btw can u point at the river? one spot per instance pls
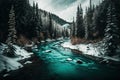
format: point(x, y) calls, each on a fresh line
point(61, 64)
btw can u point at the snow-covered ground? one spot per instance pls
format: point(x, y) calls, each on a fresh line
point(7, 63)
point(85, 48)
point(90, 49)
point(22, 53)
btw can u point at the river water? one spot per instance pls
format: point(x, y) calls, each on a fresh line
point(61, 64)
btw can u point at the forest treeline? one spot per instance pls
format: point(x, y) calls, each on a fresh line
point(100, 22)
point(30, 22)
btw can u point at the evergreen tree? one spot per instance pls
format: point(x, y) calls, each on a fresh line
point(63, 33)
point(79, 23)
point(73, 29)
point(112, 37)
point(89, 20)
point(50, 27)
point(95, 29)
point(66, 33)
point(55, 33)
point(38, 20)
point(86, 25)
point(12, 37)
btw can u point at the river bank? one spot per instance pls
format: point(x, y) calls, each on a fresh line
point(60, 64)
point(100, 60)
point(24, 72)
point(92, 51)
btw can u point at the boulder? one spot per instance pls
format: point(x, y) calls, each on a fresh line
point(79, 62)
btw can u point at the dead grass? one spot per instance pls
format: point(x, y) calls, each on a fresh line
point(75, 40)
point(22, 40)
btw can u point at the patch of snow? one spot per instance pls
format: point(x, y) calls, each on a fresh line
point(28, 62)
point(50, 40)
point(35, 47)
point(5, 75)
point(66, 25)
point(22, 53)
point(112, 58)
point(8, 64)
point(29, 45)
point(61, 38)
point(2, 47)
point(90, 49)
point(42, 41)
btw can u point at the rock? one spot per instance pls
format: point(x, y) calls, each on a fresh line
point(69, 59)
point(79, 62)
point(48, 51)
point(104, 61)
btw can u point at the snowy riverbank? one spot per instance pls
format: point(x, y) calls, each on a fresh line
point(90, 49)
point(8, 64)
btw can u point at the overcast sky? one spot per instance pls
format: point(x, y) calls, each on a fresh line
point(65, 9)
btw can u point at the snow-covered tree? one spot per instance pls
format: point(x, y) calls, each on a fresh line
point(12, 37)
point(86, 25)
point(112, 37)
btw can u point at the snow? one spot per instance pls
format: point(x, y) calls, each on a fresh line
point(90, 49)
point(9, 64)
point(12, 63)
point(29, 45)
point(23, 54)
point(42, 41)
point(2, 48)
point(28, 62)
point(5, 75)
point(61, 38)
point(112, 58)
point(66, 26)
point(50, 40)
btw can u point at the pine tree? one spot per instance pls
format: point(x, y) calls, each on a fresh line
point(66, 33)
point(86, 25)
point(38, 20)
point(89, 20)
point(73, 29)
point(12, 37)
point(112, 37)
point(55, 33)
point(95, 28)
point(63, 33)
point(79, 22)
point(50, 26)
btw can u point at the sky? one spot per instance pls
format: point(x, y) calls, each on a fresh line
point(65, 9)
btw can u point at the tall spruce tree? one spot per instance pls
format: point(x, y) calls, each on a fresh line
point(12, 37)
point(37, 20)
point(79, 22)
point(73, 29)
point(50, 27)
point(86, 25)
point(112, 37)
point(89, 20)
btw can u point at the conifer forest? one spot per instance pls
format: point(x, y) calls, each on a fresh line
point(59, 39)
